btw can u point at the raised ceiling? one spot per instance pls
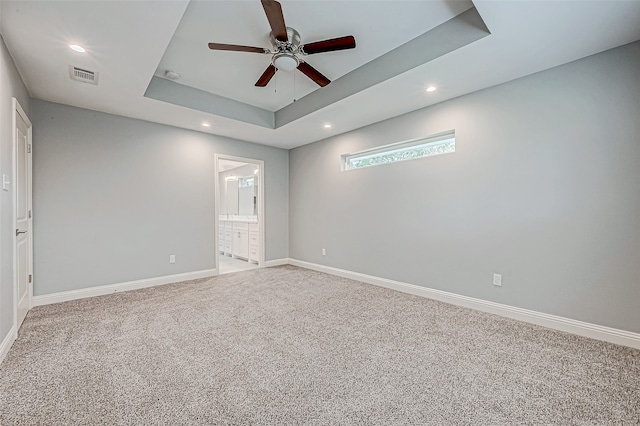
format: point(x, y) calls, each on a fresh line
point(233, 74)
point(132, 43)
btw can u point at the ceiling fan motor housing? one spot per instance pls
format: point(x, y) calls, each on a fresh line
point(292, 44)
point(285, 59)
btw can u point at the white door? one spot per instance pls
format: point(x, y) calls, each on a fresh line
point(23, 268)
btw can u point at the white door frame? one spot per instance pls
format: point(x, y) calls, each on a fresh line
point(17, 110)
point(261, 221)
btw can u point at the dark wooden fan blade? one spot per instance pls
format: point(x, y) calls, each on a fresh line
point(266, 76)
point(237, 48)
point(274, 14)
point(313, 74)
point(340, 43)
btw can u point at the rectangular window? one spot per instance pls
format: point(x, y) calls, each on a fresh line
point(246, 182)
point(442, 143)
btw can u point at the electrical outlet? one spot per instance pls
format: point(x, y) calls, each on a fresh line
point(324, 252)
point(497, 280)
point(172, 258)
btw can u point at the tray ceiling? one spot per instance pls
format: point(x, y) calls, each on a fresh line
point(131, 43)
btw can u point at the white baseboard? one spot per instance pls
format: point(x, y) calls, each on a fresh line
point(64, 296)
point(594, 331)
point(276, 262)
point(7, 342)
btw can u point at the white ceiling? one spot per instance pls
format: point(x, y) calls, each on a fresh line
point(233, 74)
point(129, 41)
point(224, 165)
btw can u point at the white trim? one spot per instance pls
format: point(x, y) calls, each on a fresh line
point(7, 343)
point(594, 331)
point(276, 262)
point(261, 218)
point(65, 296)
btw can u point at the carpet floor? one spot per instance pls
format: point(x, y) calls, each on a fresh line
point(288, 345)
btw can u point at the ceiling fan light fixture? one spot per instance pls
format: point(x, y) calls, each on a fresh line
point(285, 61)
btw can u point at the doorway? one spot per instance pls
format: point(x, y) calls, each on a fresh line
point(239, 219)
point(23, 241)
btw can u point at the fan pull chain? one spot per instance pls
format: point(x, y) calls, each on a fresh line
point(275, 87)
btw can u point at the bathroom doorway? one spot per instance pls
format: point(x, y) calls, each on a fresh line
point(239, 213)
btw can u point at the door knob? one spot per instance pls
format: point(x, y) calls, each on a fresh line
point(18, 232)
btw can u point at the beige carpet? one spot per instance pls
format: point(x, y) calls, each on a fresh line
point(291, 346)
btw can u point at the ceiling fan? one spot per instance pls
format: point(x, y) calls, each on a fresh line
point(287, 47)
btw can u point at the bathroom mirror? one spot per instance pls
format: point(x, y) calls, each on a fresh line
point(239, 190)
point(246, 196)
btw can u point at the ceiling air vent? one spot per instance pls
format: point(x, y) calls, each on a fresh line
point(82, 75)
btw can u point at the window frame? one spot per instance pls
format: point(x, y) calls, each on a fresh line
point(431, 140)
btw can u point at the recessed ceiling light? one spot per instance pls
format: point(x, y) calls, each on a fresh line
point(206, 125)
point(327, 126)
point(431, 89)
point(77, 48)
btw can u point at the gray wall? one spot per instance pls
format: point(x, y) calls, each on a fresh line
point(11, 85)
point(544, 188)
point(114, 197)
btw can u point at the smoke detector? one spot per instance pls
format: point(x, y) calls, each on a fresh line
point(83, 75)
point(171, 75)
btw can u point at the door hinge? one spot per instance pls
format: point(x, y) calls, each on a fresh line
point(29, 214)
point(30, 277)
point(28, 148)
